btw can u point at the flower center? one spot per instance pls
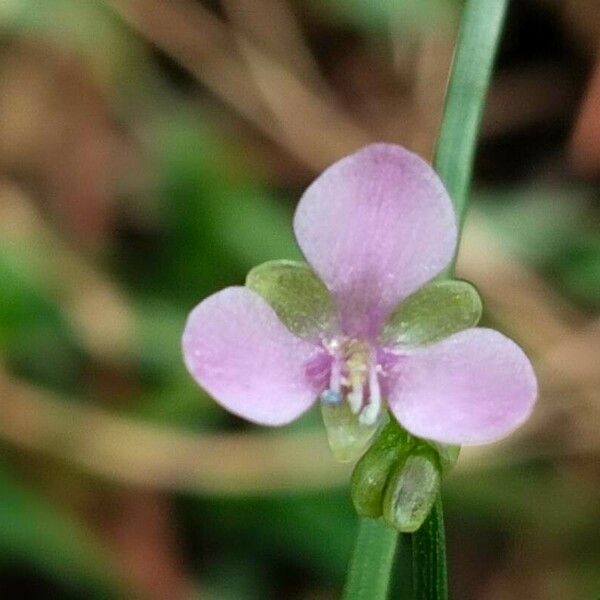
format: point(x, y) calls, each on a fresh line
point(354, 379)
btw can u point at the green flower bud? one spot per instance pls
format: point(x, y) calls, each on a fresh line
point(373, 470)
point(412, 489)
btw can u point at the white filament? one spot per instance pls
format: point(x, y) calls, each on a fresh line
point(370, 413)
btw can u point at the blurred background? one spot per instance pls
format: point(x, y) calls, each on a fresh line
point(151, 152)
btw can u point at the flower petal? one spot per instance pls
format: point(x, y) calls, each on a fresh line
point(472, 388)
point(237, 349)
point(297, 295)
point(376, 226)
point(433, 313)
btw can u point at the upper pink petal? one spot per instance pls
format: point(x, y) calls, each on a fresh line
point(238, 350)
point(376, 226)
point(474, 387)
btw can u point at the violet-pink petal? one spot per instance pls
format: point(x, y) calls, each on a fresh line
point(238, 350)
point(474, 387)
point(376, 226)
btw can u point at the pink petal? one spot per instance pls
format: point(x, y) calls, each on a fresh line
point(376, 226)
point(472, 388)
point(238, 350)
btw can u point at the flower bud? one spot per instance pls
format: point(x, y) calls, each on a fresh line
point(412, 489)
point(373, 470)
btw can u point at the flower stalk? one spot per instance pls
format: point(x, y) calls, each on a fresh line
point(368, 574)
point(479, 34)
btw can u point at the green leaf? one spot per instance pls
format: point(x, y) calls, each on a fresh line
point(430, 573)
point(433, 313)
point(297, 295)
point(412, 489)
point(373, 470)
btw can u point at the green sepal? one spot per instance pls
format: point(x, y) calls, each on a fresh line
point(347, 436)
point(436, 311)
point(372, 471)
point(412, 489)
point(297, 295)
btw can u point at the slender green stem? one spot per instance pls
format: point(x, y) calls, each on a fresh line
point(371, 564)
point(478, 37)
point(480, 28)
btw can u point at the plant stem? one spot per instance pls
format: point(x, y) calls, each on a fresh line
point(371, 564)
point(480, 28)
point(478, 37)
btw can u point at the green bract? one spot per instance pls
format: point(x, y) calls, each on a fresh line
point(433, 313)
point(297, 295)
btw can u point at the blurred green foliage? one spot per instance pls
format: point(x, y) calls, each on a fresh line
point(407, 15)
point(35, 531)
point(554, 229)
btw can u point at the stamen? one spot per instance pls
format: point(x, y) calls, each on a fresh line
point(349, 423)
point(333, 395)
point(355, 397)
point(335, 380)
point(370, 412)
point(356, 362)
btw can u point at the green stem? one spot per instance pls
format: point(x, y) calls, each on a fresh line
point(480, 28)
point(371, 564)
point(478, 37)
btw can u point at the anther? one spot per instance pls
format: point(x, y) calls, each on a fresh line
point(331, 398)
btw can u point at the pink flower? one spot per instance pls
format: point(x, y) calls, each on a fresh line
point(362, 327)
